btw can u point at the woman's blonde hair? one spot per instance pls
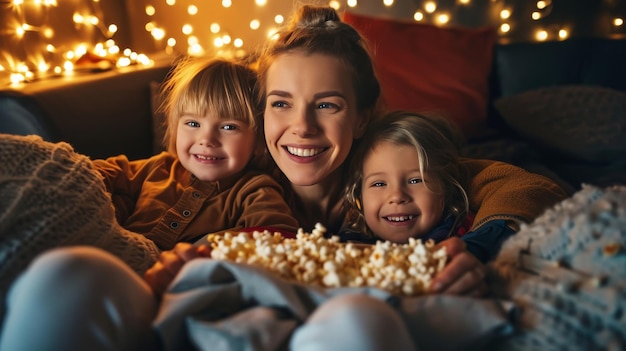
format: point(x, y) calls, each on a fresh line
point(436, 142)
point(226, 88)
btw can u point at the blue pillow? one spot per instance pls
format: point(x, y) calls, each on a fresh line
point(21, 115)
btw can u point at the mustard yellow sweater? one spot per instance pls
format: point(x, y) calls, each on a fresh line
point(499, 190)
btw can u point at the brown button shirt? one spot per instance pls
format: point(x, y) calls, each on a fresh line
point(159, 198)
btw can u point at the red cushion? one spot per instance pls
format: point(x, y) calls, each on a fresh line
point(431, 69)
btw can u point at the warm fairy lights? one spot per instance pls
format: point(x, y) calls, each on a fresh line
point(38, 42)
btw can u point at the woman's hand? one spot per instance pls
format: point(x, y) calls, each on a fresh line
point(463, 275)
point(162, 273)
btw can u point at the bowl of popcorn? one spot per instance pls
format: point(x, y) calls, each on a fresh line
point(311, 258)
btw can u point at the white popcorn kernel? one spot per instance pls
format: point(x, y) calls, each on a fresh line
point(331, 279)
point(330, 266)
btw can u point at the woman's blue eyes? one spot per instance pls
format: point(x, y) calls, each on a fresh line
point(321, 106)
point(326, 105)
point(278, 104)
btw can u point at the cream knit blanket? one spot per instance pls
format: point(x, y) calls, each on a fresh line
point(51, 196)
point(566, 274)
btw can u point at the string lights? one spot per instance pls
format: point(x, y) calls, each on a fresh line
point(46, 38)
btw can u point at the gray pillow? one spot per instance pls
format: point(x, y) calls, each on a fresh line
point(579, 121)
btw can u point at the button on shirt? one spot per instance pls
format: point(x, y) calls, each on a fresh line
point(159, 198)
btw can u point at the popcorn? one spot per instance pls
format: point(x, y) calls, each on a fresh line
point(310, 258)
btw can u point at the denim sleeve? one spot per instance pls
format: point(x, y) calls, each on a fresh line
point(485, 242)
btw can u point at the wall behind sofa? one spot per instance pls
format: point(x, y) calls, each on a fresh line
point(40, 39)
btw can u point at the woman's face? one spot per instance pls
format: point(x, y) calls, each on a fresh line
point(311, 117)
point(397, 205)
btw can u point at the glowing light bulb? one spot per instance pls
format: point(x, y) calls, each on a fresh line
point(150, 10)
point(505, 28)
point(238, 42)
point(618, 22)
point(114, 50)
point(68, 66)
point(388, 2)
point(48, 33)
point(17, 78)
point(541, 5)
point(563, 34)
point(255, 24)
point(214, 28)
point(78, 18)
point(541, 35)
point(157, 33)
point(334, 4)
point(505, 14)
point(226, 39)
point(81, 50)
point(170, 2)
point(260, 2)
point(430, 6)
point(352, 3)
point(272, 34)
point(443, 18)
point(123, 62)
point(535, 15)
point(187, 29)
point(227, 3)
point(171, 42)
point(279, 19)
point(192, 10)
point(42, 66)
point(418, 16)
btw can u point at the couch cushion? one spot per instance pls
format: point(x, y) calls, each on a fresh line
point(430, 69)
point(521, 67)
point(580, 121)
point(21, 115)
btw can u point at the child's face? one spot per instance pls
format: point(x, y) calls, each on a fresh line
point(311, 118)
point(212, 148)
point(396, 203)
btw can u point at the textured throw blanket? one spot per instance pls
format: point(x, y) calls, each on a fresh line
point(51, 196)
point(221, 305)
point(566, 274)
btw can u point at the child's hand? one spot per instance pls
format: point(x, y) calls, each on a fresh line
point(464, 274)
point(161, 274)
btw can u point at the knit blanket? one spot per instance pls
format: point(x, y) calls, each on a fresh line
point(51, 196)
point(566, 273)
